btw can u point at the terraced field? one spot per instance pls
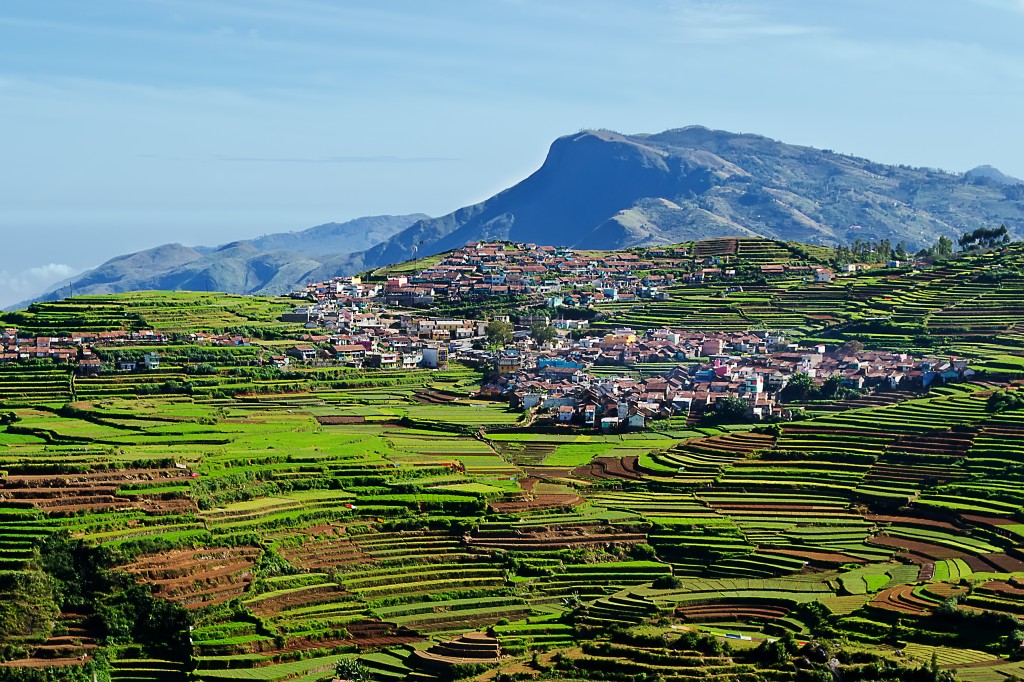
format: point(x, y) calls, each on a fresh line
point(392, 521)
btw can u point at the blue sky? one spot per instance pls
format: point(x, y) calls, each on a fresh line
point(131, 123)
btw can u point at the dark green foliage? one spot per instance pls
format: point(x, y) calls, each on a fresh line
point(498, 333)
point(29, 604)
point(352, 670)
point(802, 387)
point(728, 410)
point(777, 652)
point(643, 551)
point(984, 238)
point(667, 582)
point(1005, 400)
point(769, 430)
point(861, 251)
point(709, 645)
point(542, 333)
point(942, 249)
point(129, 613)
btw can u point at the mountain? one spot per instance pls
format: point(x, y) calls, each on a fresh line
point(269, 264)
point(355, 235)
point(603, 190)
point(599, 189)
point(983, 174)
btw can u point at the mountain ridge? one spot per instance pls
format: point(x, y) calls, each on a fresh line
point(267, 264)
point(602, 189)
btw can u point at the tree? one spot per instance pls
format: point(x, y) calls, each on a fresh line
point(942, 250)
point(832, 385)
point(498, 333)
point(777, 652)
point(352, 670)
point(542, 333)
point(983, 238)
point(730, 409)
point(799, 387)
point(1005, 400)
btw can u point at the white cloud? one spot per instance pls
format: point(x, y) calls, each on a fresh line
point(18, 286)
point(718, 21)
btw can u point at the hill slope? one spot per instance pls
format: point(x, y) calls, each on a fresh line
point(354, 235)
point(269, 264)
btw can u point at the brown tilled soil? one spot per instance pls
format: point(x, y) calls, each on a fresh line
point(67, 493)
point(725, 611)
point(553, 539)
point(947, 443)
point(365, 634)
point(429, 396)
point(319, 594)
point(912, 521)
point(537, 502)
point(72, 646)
point(324, 546)
point(985, 563)
point(198, 578)
point(45, 662)
point(609, 467)
point(913, 547)
point(1004, 588)
point(902, 600)
point(817, 558)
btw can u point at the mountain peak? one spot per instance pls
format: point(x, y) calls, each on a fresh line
point(991, 174)
point(602, 189)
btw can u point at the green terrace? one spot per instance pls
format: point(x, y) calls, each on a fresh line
point(358, 515)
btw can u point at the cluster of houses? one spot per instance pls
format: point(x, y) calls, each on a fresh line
point(80, 348)
point(77, 348)
point(482, 270)
point(753, 367)
point(379, 339)
point(364, 351)
point(558, 276)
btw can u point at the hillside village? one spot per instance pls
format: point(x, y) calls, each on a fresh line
point(558, 380)
point(754, 368)
point(483, 270)
point(558, 276)
point(77, 349)
point(575, 375)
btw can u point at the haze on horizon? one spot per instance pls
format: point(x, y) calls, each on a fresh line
point(129, 124)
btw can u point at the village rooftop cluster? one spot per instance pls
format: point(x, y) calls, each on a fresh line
point(556, 276)
point(482, 270)
point(77, 348)
point(754, 367)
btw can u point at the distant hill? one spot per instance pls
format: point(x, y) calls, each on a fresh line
point(983, 174)
point(269, 264)
point(604, 190)
point(355, 235)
